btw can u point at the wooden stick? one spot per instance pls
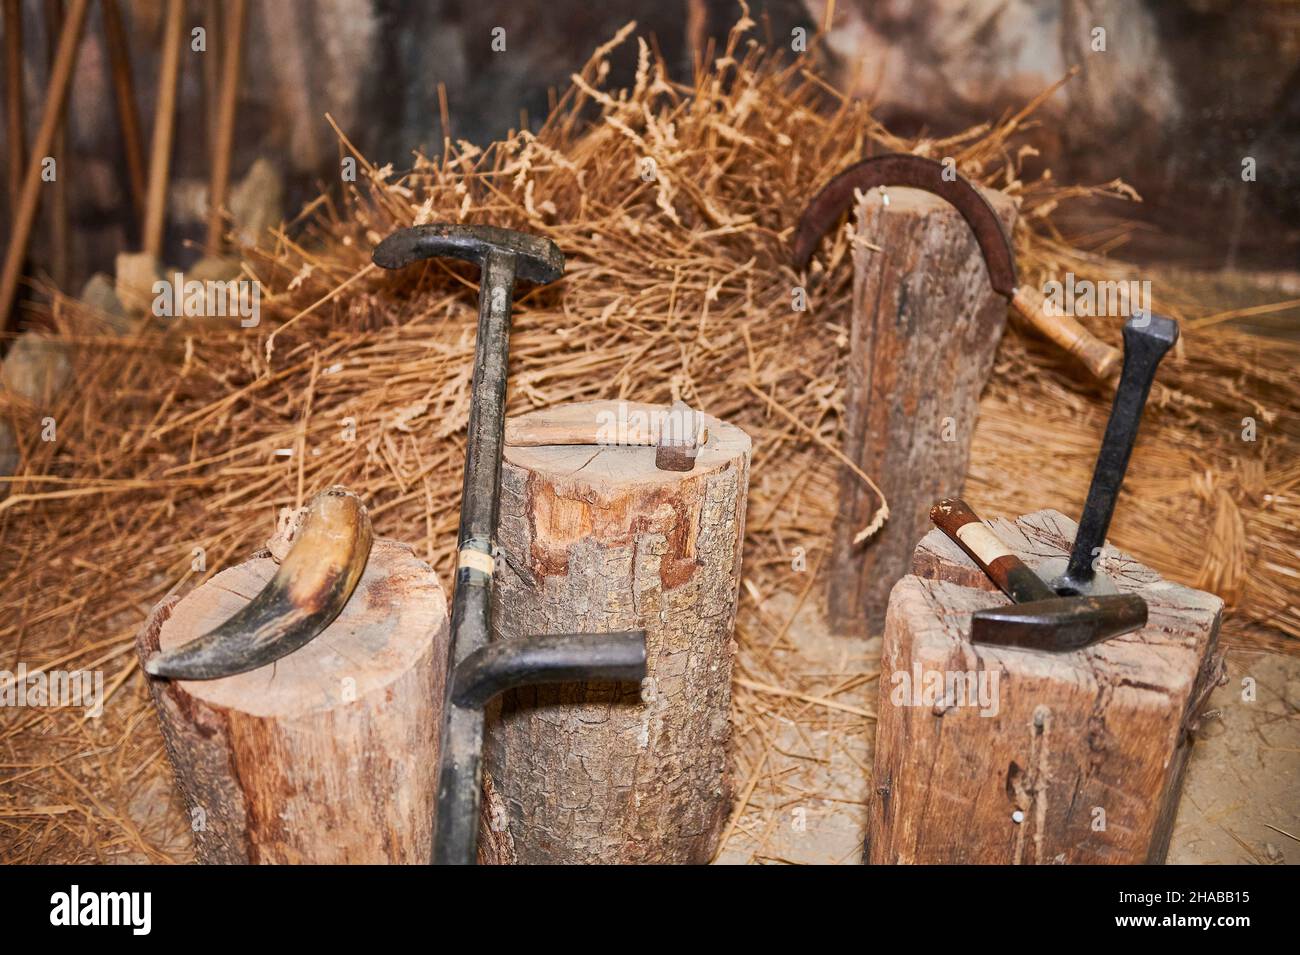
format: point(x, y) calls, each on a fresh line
point(29, 199)
point(17, 133)
point(58, 189)
point(233, 44)
point(128, 116)
point(163, 125)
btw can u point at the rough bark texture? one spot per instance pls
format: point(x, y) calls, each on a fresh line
point(598, 539)
point(1089, 748)
point(923, 332)
point(328, 755)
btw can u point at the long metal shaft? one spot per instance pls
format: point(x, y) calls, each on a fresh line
point(459, 780)
point(1146, 341)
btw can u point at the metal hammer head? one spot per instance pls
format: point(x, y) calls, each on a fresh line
point(679, 440)
point(536, 259)
point(1059, 623)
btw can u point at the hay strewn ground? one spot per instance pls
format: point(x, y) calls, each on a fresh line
point(676, 286)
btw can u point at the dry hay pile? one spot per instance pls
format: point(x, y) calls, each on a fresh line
point(676, 286)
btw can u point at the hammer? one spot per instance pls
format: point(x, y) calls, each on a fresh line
point(1038, 619)
point(1146, 341)
point(918, 172)
point(479, 672)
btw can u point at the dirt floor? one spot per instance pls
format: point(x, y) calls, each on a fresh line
point(1239, 801)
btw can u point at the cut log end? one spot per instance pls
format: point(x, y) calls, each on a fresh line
point(600, 539)
point(329, 754)
point(999, 755)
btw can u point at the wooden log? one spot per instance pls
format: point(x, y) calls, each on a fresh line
point(998, 755)
point(595, 538)
point(330, 754)
point(924, 327)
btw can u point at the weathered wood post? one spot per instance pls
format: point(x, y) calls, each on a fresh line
point(328, 755)
point(997, 755)
point(924, 327)
point(597, 538)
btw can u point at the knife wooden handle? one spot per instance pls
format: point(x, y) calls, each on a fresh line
point(1098, 357)
point(955, 518)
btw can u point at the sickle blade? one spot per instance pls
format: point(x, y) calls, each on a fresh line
point(308, 591)
point(916, 172)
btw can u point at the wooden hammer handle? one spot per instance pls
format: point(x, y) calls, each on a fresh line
point(955, 518)
point(1098, 357)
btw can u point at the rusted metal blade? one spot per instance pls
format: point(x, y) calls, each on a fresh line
point(918, 172)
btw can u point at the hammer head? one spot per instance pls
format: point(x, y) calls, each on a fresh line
point(536, 259)
point(1060, 624)
point(679, 439)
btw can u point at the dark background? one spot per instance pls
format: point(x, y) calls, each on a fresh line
point(1184, 90)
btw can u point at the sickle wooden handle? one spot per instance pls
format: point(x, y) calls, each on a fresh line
point(955, 518)
point(1098, 357)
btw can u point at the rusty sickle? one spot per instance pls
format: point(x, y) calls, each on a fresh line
point(1038, 618)
point(308, 591)
point(918, 172)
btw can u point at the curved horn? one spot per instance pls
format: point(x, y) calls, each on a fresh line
point(311, 586)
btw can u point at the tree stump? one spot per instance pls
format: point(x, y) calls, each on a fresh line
point(997, 755)
point(596, 538)
point(924, 328)
point(328, 755)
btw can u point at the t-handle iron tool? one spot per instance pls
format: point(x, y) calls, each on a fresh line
point(479, 671)
point(1038, 619)
point(1147, 339)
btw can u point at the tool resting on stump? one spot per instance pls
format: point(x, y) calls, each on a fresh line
point(918, 172)
point(1039, 619)
point(478, 671)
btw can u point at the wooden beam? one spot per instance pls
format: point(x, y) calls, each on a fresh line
point(56, 98)
point(232, 42)
point(128, 115)
point(14, 112)
point(164, 123)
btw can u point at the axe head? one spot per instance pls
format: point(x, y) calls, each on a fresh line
point(1060, 624)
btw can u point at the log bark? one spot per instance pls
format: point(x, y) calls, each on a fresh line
point(924, 328)
point(1067, 758)
point(597, 539)
point(328, 755)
